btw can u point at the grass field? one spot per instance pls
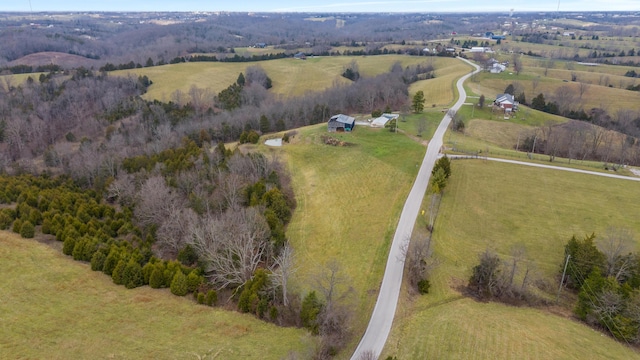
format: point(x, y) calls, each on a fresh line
point(55, 308)
point(493, 205)
point(349, 201)
point(441, 90)
point(290, 77)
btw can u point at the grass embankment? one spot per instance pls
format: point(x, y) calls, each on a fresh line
point(349, 201)
point(441, 91)
point(290, 77)
point(494, 205)
point(55, 308)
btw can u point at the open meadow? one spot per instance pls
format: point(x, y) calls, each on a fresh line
point(291, 77)
point(56, 308)
point(496, 206)
point(349, 201)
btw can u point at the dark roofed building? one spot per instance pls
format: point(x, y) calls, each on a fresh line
point(341, 122)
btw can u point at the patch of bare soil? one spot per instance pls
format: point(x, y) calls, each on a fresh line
point(66, 61)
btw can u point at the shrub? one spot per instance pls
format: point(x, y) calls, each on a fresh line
point(46, 226)
point(200, 298)
point(5, 220)
point(423, 286)
point(311, 307)
point(78, 248)
point(156, 280)
point(273, 313)
point(179, 284)
point(212, 297)
point(68, 245)
point(118, 273)
point(97, 261)
point(188, 255)
point(132, 276)
point(17, 225)
point(193, 281)
point(27, 230)
point(111, 261)
point(147, 269)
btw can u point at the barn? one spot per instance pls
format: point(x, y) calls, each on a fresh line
point(340, 123)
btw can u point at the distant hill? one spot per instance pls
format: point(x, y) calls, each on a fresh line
point(64, 60)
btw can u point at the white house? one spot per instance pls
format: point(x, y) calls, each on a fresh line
point(497, 68)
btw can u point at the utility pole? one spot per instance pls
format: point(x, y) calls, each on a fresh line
point(562, 280)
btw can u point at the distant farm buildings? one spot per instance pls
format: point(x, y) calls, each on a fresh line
point(300, 56)
point(341, 123)
point(481, 49)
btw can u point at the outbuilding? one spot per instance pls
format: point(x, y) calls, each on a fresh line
point(382, 120)
point(340, 123)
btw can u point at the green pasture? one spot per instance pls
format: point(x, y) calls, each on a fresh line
point(349, 201)
point(496, 206)
point(56, 308)
point(466, 329)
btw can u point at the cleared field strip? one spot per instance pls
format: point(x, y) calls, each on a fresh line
point(349, 200)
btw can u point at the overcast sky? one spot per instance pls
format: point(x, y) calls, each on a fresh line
point(319, 6)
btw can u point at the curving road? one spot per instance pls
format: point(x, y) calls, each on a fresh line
point(381, 320)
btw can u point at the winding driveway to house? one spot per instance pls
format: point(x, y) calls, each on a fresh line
point(381, 320)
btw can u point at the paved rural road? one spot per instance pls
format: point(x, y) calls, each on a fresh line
point(381, 320)
point(614, 176)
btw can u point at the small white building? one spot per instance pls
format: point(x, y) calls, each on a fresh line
point(382, 120)
point(481, 49)
point(497, 68)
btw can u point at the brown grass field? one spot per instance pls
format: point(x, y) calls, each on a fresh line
point(290, 77)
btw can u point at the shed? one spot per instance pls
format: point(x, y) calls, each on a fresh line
point(341, 123)
point(382, 120)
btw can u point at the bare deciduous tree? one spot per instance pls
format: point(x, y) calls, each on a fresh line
point(616, 246)
point(282, 269)
point(231, 246)
point(156, 202)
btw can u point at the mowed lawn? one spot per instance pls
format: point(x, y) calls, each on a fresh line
point(349, 201)
point(52, 307)
point(290, 77)
point(495, 206)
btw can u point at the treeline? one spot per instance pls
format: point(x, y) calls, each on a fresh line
point(271, 56)
point(26, 69)
point(592, 134)
point(606, 275)
point(89, 230)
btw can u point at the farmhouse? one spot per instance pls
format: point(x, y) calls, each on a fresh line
point(506, 102)
point(300, 56)
point(497, 68)
point(341, 122)
point(382, 120)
